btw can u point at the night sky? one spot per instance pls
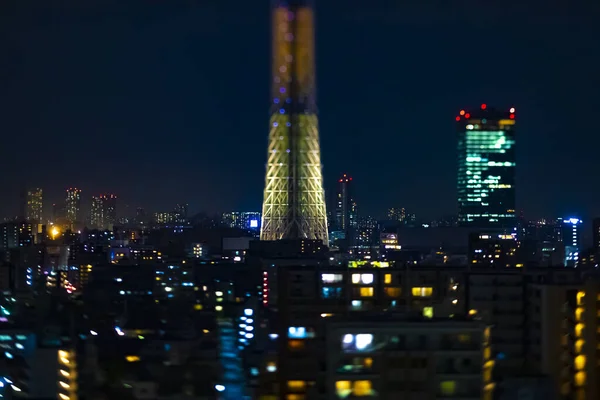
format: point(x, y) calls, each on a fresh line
point(167, 101)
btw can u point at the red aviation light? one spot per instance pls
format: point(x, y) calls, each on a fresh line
point(512, 116)
point(462, 112)
point(457, 118)
point(467, 115)
point(483, 106)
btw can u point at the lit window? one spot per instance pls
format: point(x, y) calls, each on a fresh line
point(392, 291)
point(296, 385)
point(132, 358)
point(295, 397)
point(448, 388)
point(295, 344)
point(331, 278)
point(363, 341)
point(388, 279)
point(578, 314)
point(331, 292)
point(422, 291)
point(464, 338)
point(579, 330)
point(580, 362)
point(487, 353)
point(365, 279)
point(343, 389)
point(580, 296)
point(580, 378)
point(487, 375)
point(362, 388)
point(366, 291)
point(579, 346)
point(271, 366)
point(300, 332)
point(428, 312)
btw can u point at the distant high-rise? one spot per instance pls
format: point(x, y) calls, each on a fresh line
point(97, 213)
point(248, 220)
point(180, 213)
point(103, 211)
point(486, 168)
point(345, 206)
point(397, 214)
point(109, 203)
point(345, 209)
point(294, 201)
point(73, 204)
point(32, 204)
point(570, 235)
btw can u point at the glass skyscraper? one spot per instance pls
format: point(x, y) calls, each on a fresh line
point(486, 168)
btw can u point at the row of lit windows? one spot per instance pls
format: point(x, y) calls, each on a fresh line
point(369, 291)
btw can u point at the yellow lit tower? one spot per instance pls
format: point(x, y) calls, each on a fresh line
point(73, 204)
point(294, 201)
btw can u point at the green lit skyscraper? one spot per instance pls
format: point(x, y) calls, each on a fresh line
point(486, 168)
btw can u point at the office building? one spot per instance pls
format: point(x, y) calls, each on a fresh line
point(368, 235)
point(32, 205)
point(345, 210)
point(397, 214)
point(246, 220)
point(109, 206)
point(486, 168)
point(17, 234)
point(571, 238)
point(180, 213)
point(493, 250)
point(97, 213)
point(103, 213)
point(73, 205)
point(294, 200)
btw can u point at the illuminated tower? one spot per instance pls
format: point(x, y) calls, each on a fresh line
point(32, 205)
point(345, 209)
point(294, 201)
point(73, 204)
point(486, 168)
point(97, 213)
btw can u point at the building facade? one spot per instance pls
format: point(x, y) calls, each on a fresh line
point(346, 219)
point(486, 168)
point(73, 205)
point(32, 205)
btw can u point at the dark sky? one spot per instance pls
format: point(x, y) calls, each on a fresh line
point(163, 101)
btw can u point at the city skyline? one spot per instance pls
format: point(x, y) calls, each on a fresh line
point(411, 116)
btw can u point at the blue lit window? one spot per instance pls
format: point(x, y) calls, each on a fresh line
point(331, 292)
